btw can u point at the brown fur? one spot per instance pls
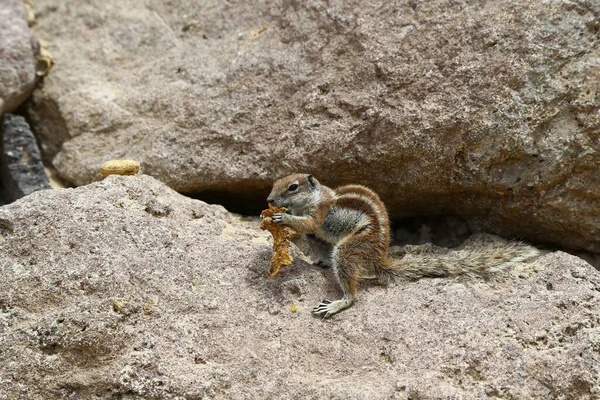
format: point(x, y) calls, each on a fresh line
point(365, 191)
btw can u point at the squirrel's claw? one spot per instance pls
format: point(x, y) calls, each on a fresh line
point(278, 218)
point(323, 309)
point(327, 308)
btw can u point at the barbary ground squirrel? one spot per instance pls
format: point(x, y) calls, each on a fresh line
point(354, 223)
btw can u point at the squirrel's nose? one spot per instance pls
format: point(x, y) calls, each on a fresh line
point(270, 200)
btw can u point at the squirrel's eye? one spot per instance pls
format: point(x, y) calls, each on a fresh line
point(293, 187)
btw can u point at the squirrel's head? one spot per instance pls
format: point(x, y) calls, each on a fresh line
point(296, 192)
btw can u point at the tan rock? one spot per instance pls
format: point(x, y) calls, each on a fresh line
point(120, 167)
point(124, 288)
point(484, 110)
point(18, 51)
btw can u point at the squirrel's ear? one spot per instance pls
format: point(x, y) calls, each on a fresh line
point(311, 180)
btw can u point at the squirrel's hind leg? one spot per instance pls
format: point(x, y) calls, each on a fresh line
point(320, 250)
point(344, 266)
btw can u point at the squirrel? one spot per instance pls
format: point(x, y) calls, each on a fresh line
point(354, 222)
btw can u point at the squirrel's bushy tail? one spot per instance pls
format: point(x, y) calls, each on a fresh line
point(477, 259)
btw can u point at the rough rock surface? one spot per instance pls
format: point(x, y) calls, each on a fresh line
point(18, 51)
point(21, 168)
point(484, 110)
point(126, 289)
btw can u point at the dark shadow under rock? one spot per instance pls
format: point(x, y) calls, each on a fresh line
point(21, 168)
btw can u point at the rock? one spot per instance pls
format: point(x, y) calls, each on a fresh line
point(484, 111)
point(124, 288)
point(120, 167)
point(18, 51)
point(21, 168)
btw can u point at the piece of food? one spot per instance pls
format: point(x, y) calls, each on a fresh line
point(120, 167)
point(281, 240)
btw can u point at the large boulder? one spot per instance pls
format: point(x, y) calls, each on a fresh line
point(484, 110)
point(18, 51)
point(126, 289)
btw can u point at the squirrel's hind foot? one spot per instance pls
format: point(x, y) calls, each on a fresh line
point(327, 307)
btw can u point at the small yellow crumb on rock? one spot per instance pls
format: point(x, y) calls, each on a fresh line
point(120, 167)
point(118, 306)
point(149, 306)
point(293, 308)
point(44, 60)
point(30, 12)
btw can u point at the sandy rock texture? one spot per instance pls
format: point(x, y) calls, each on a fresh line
point(18, 51)
point(124, 289)
point(484, 110)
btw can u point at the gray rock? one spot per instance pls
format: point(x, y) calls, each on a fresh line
point(126, 289)
point(18, 51)
point(486, 111)
point(21, 168)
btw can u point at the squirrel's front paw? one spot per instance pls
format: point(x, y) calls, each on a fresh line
point(279, 218)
